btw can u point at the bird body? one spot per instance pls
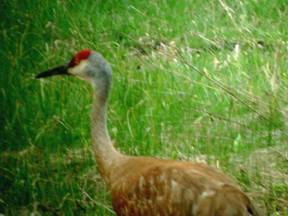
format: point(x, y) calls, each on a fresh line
point(150, 186)
point(145, 185)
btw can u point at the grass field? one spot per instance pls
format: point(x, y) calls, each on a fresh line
point(198, 80)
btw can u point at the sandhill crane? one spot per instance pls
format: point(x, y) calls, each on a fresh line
point(145, 185)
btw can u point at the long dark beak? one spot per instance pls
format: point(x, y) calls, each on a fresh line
point(60, 70)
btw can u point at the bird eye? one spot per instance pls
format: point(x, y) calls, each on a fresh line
point(82, 55)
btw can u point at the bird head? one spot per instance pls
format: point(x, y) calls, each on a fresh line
point(87, 65)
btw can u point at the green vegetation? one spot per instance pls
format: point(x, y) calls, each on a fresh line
point(197, 80)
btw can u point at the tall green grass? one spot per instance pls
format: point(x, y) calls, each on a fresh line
point(197, 80)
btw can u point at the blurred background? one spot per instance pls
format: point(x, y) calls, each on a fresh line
point(193, 80)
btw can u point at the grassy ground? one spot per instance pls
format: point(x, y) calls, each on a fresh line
point(198, 80)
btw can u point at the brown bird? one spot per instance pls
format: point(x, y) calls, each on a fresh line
point(144, 185)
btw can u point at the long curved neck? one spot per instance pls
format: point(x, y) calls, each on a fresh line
point(105, 154)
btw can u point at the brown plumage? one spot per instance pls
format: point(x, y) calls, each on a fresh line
point(149, 186)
